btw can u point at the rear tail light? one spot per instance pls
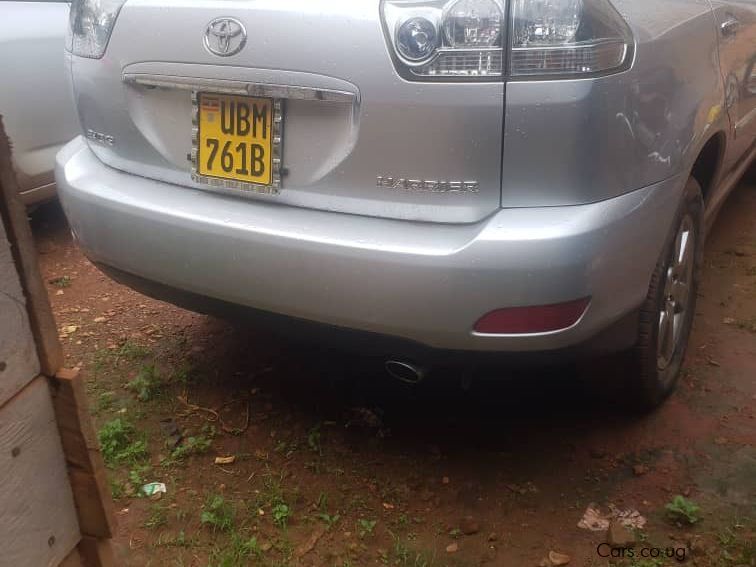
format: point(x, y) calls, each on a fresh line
point(457, 38)
point(470, 39)
point(535, 319)
point(567, 37)
point(90, 24)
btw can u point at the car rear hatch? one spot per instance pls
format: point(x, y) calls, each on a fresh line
point(353, 135)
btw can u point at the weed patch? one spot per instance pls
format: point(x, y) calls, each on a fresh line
point(217, 514)
point(120, 443)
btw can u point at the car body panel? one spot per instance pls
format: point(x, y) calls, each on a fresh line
point(426, 282)
point(35, 101)
point(736, 25)
point(579, 180)
point(333, 152)
point(583, 140)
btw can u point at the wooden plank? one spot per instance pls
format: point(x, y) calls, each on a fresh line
point(73, 559)
point(38, 523)
point(96, 552)
point(18, 354)
point(82, 452)
point(23, 251)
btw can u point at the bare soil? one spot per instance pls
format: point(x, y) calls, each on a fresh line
point(336, 465)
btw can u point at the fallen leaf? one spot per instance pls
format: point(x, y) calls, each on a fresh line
point(225, 460)
point(557, 558)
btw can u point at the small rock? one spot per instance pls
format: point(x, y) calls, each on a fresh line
point(492, 536)
point(100, 319)
point(557, 558)
point(469, 525)
point(640, 470)
point(619, 536)
point(452, 548)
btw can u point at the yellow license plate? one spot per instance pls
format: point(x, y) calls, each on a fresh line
point(234, 138)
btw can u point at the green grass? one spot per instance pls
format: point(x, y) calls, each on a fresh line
point(323, 513)
point(193, 445)
point(156, 517)
point(128, 351)
point(180, 540)
point(121, 443)
point(405, 556)
point(239, 551)
point(683, 511)
point(365, 527)
point(147, 384)
point(61, 282)
point(217, 513)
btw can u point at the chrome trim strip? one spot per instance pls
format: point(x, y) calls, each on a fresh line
point(238, 87)
point(220, 183)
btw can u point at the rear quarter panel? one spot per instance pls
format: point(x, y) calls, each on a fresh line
point(580, 141)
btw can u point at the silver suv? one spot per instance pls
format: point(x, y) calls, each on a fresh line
point(444, 176)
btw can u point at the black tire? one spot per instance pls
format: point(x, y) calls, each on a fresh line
point(652, 375)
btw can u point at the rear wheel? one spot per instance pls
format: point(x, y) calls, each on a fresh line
point(667, 314)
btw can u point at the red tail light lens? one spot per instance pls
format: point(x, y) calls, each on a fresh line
point(536, 319)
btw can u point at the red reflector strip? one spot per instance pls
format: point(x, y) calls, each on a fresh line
point(536, 319)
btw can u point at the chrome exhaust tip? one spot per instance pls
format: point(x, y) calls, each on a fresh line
point(404, 371)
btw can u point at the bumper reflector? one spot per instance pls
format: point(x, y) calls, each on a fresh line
point(536, 319)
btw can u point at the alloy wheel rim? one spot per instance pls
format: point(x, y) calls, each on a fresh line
point(677, 294)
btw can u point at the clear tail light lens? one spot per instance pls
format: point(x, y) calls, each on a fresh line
point(90, 24)
point(457, 38)
point(568, 37)
point(468, 39)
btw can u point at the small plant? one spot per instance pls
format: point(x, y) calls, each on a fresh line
point(157, 516)
point(184, 374)
point(217, 514)
point(130, 350)
point(138, 474)
point(281, 513)
point(330, 519)
point(147, 384)
point(365, 527)
point(104, 402)
point(405, 556)
point(120, 443)
point(191, 446)
point(237, 552)
point(683, 511)
point(61, 282)
point(166, 540)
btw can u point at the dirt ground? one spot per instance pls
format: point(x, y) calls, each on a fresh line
point(336, 465)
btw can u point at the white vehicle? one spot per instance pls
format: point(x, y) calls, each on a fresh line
point(36, 102)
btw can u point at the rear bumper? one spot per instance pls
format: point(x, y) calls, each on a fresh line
point(428, 283)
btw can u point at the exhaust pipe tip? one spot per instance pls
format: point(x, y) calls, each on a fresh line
point(404, 371)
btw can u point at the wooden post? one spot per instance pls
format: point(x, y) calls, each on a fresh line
point(54, 491)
